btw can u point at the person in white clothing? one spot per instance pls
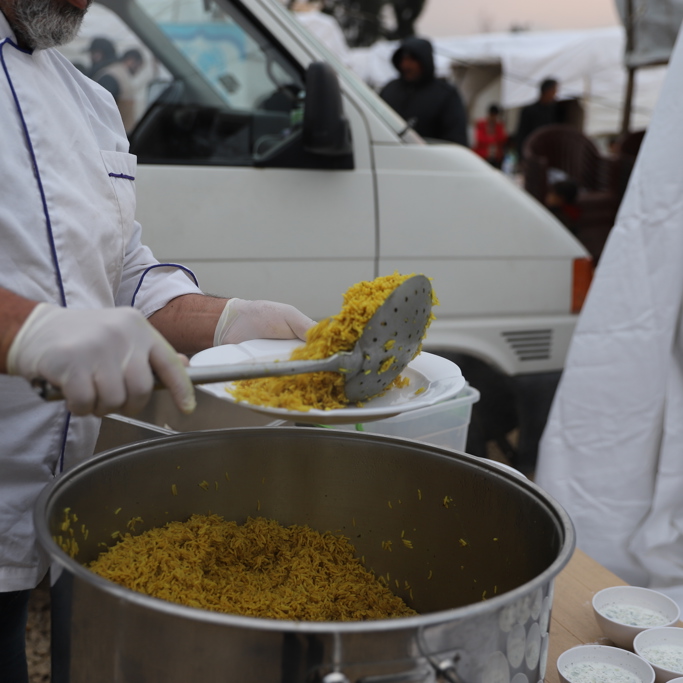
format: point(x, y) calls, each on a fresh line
point(83, 303)
point(117, 78)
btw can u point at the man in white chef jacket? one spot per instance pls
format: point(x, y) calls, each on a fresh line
point(78, 290)
point(612, 451)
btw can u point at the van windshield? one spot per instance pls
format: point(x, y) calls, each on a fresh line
point(232, 55)
point(212, 85)
point(240, 64)
point(211, 88)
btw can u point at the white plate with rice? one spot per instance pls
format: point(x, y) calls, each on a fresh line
point(435, 378)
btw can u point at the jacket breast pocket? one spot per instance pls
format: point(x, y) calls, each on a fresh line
point(122, 168)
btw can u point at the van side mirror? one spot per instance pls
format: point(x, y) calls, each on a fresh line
point(326, 130)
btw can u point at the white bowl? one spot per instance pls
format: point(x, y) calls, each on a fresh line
point(670, 640)
point(641, 606)
point(611, 660)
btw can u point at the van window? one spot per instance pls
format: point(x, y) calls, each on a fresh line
point(230, 96)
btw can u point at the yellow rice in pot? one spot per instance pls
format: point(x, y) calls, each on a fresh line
point(324, 390)
point(259, 569)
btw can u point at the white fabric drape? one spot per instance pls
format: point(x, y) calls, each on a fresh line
point(612, 451)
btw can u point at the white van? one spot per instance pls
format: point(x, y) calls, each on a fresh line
point(271, 171)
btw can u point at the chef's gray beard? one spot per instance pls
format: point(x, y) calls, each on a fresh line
point(46, 23)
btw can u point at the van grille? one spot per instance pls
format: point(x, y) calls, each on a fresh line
point(530, 344)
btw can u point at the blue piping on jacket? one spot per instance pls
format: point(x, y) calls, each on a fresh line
point(161, 265)
point(48, 222)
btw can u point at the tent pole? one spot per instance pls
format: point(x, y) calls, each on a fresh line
point(630, 80)
point(628, 99)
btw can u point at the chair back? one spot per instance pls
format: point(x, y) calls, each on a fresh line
point(567, 149)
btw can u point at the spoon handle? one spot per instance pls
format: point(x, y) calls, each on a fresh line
point(229, 372)
point(208, 374)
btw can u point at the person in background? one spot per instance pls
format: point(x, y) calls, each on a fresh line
point(83, 303)
point(117, 77)
point(543, 112)
point(491, 138)
point(102, 53)
point(431, 105)
point(561, 200)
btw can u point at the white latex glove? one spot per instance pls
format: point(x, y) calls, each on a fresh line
point(243, 320)
point(102, 360)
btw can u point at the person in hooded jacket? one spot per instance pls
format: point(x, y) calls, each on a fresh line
point(431, 105)
point(102, 53)
point(83, 302)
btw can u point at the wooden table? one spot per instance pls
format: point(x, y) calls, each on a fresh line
point(572, 621)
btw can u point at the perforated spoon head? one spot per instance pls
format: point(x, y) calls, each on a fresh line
point(390, 339)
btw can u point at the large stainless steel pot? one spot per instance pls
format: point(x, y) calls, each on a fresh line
point(487, 545)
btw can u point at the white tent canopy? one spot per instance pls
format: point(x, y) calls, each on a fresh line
point(589, 65)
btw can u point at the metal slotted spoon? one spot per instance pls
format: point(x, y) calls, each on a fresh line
point(387, 344)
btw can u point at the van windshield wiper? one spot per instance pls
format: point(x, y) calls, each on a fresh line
point(410, 124)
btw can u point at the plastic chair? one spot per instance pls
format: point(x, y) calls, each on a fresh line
point(567, 149)
point(627, 148)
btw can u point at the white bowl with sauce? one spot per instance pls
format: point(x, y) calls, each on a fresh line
point(663, 649)
point(622, 612)
point(588, 663)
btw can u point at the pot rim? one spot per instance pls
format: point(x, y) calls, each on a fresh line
point(58, 556)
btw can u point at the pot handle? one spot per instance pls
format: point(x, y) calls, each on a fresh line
point(413, 676)
point(446, 670)
point(445, 673)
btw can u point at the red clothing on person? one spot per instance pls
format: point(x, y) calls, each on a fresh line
point(490, 140)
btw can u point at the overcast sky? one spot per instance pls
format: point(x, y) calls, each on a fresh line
point(455, 17)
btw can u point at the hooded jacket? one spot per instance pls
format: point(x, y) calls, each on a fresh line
point(432, 106)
